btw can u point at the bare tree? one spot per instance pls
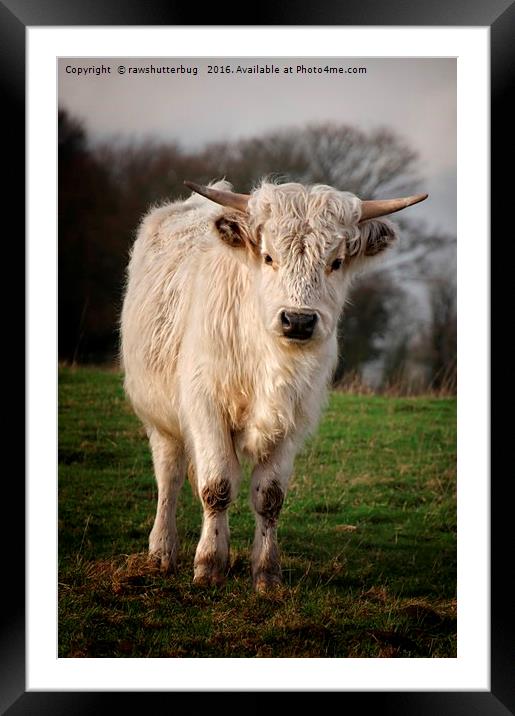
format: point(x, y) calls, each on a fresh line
point(90, 261)
point(442, 334)
point(105, 190)
point(369, 165)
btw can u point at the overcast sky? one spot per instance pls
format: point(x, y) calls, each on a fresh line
point(416, 98)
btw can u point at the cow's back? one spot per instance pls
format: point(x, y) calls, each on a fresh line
point(160, 276)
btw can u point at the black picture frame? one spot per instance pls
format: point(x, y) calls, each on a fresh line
point(499, 16)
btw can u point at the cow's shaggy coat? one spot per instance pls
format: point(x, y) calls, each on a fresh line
point(208, 367)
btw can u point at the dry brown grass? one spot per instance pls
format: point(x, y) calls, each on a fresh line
point(399, 386)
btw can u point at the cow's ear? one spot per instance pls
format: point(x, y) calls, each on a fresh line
point(234, 230)
point(374, 237)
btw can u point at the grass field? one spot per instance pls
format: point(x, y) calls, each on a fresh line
point(367, 534)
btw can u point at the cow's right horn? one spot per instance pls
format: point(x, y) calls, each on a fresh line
point(225, 198)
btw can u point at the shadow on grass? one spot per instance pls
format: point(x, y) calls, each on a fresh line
point(128, 608)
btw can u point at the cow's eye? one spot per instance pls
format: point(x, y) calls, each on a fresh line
point(268, 259)
point(336, 264)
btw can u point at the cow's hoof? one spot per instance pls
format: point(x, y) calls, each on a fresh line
point(267, 583)
point(209, 580)
point(166, 562)
point(208, 575)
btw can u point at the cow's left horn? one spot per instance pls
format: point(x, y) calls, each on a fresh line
point(382, 207)
point(225, 198)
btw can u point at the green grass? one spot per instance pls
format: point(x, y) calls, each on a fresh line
point(367, 534)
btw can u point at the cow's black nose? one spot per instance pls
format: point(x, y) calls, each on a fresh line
point(298, 325)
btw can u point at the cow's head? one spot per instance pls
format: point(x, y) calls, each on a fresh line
point(306, 243)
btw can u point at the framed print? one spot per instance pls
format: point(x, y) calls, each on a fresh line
point(39, 673)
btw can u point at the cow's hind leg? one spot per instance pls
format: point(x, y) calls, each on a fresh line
point(268, 488)
point(169, 468)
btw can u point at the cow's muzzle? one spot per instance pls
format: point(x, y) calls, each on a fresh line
point(298, 326)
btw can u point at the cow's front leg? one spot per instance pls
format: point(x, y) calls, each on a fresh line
point(218, 475)
point(268, 488)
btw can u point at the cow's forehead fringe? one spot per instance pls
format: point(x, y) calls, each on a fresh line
point(316, 215)
point(318, 203)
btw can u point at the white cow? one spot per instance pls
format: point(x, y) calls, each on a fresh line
point(229, 342)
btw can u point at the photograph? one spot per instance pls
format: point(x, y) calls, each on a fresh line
point(257, 357)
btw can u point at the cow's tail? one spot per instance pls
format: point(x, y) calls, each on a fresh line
point(192, 478)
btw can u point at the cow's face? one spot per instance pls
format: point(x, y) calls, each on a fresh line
point(303, 246)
